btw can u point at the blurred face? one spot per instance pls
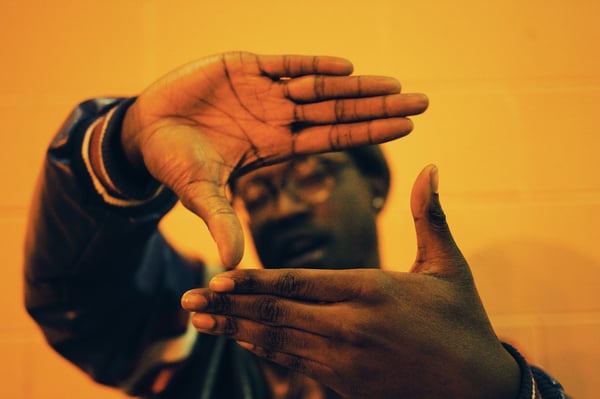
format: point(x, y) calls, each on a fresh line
point(313, 212)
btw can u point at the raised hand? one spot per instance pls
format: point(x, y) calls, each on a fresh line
point(369, 333)
point(234, 112)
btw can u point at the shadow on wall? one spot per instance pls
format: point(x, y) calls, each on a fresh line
point(543, 297)
point(531, 276)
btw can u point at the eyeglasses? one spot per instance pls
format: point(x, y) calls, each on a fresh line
point(310, 180)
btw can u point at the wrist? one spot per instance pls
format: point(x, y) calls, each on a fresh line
point(115, 177)
point(492, 373)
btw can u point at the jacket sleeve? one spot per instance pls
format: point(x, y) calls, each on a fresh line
point(100, 280)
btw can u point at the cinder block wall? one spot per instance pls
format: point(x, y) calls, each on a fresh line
point(514, 90)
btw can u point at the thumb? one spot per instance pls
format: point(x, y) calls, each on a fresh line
point(179, 156)
point(222, 222)
point(437, 253)
point(226, 230)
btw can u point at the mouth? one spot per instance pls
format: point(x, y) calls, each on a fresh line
point(304, 250)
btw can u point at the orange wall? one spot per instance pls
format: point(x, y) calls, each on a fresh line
point(514, 90)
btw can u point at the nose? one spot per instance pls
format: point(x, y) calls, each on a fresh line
point(287, 204)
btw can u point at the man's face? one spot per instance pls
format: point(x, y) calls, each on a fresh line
point(313, 212)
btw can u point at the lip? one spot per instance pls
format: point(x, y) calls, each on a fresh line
point(308, 259)
point(300, 250)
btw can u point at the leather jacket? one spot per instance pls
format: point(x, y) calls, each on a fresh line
point(105, 286)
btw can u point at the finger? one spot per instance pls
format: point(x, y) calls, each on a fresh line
point(353, 110)
point(312, 368)
point(307, 284)
point(317, 87)
point(273, 338)
point(294, 349)
point(318, 318)
point(276, 66)
point(334, 137)
point(437, 253)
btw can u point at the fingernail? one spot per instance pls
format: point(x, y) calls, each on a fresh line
point(193, 302)
point(245, 345)
point(203, 321)
point(434, 179)
point(418, 96)
point(221, 284)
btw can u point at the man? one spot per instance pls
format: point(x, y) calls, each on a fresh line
point(106, 288)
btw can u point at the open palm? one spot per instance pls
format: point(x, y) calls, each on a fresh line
point(234, 112)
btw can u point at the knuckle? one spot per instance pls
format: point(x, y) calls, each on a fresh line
point(290, 284)
point(319, 86)
point(246, 282)
point(298, 113)
point(359, 88)
point(359, 332)
point(267, 354)
point(373, 285)
point(355, 112)
point(298, 365)
point(339, 111)
point(274, 338)
point(315, 63)
point(339, 136)
point(230, 327)
point(221, 303)
point(269, 310)
point(384, 106)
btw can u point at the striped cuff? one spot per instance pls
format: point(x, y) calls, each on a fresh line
point(547, 385)
point(107, 166)
point(528, 388)
point(535, 382)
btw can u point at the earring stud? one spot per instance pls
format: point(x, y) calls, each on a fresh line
point(377, 203)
